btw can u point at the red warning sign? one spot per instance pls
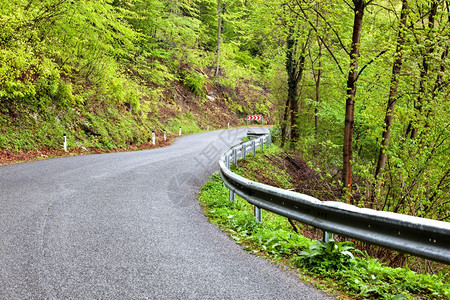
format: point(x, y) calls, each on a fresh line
point(254, 118)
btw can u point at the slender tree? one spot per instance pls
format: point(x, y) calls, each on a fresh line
point(425, 68)
point(295, 67)
point(359, 7)
point(317, 75)
point(219, 35)
point(297, 41)
point(396, 68)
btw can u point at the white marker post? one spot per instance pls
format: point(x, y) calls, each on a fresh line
point(179, 133)
point(65, 142)
point(153, 138)
point(207, 128)
point(165, 136)
point(228, 125)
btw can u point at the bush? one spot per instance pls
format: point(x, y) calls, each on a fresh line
point(195, 82)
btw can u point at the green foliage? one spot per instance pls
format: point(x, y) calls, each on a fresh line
point(57, 57)
point(414, 180)
point(273, 174)
point(370, 279)
point(78, 64)
point(195, 82)
point(277, 240)
point(186, 122)
point(237, 218)
point(322, 257)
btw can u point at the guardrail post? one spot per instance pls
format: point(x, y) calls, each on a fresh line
point(254, 147)
point(261, 142)
point(327, 236)
point(258, 214)
point(244, 151)
point(268, 141)
point(231, 196)
point(227, 162)
point(235, 156)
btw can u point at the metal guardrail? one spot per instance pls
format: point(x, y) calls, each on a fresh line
point(253, 135)
point(426, 238)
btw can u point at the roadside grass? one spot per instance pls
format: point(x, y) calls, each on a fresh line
point(336, 267)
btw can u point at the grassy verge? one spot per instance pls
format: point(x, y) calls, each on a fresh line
point(336, 266)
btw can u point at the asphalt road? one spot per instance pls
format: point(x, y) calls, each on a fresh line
point(127, 226)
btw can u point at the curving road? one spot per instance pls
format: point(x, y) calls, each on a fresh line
point(127, 226)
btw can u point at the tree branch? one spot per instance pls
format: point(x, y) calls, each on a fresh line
point(370, 62)
point(321, 39)
point(332, 29)
point(351, 7)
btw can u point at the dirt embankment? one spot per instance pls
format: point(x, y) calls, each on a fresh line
point(8, 157)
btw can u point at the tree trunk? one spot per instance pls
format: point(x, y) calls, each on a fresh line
point(292, 86)
point(393, 90)
point(438, 83)
point(293, 94)
point(316, 108)
point(317, 77)
point(284, 122)
point(219, 29)
point(425, 67)
point(294, 67)
point(351, 92)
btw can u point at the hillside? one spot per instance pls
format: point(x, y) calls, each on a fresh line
point(107, 74)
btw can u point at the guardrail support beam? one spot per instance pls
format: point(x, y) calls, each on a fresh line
point(244, 151)
point(327, 236)
point(254, 147)
point(261, 142)
point(231, 196)
point(235, 156)
point(227, 164)
point(258, 214)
